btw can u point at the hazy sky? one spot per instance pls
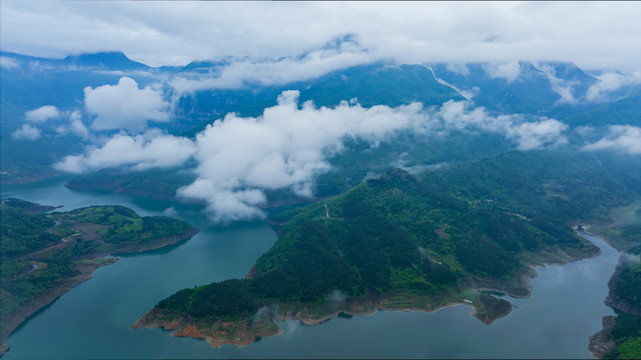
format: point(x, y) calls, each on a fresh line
point(592, 34)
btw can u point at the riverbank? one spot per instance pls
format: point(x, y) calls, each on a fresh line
point(472, 292)
point(604, 343)
point(244, 331)
point(36, 277)
point(16, 318)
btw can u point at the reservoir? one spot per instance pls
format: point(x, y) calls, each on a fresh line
point(93, 319)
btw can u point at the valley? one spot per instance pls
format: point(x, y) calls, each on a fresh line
point(389, 188)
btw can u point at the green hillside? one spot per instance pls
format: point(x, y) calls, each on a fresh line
point(478, 222)
point(43, 255)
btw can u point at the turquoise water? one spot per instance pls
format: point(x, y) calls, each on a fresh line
point(93, 319)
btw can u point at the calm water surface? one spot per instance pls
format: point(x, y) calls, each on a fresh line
point(92, 320)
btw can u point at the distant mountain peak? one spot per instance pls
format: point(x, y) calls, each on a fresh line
point(111, 60)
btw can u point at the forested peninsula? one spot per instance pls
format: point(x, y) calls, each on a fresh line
point(410, 242)
point(45, 254)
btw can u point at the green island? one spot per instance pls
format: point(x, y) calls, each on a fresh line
point(45, 254)
point(454, 235)
point(621, 334)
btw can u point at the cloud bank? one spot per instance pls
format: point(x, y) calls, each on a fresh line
point(528, 135)
point(125, 106)
point(240, 73)
point(595, 35)
point(610, 82)
point(287, 146)
point(625, 138)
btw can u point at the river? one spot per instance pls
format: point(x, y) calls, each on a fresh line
point(92, 320)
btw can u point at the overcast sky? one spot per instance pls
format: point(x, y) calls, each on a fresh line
point(594, 35)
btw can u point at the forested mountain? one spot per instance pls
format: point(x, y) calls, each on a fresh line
point(474, 225)
point(419, 185)
point(558, 90)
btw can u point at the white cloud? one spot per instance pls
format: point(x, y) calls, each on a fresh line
point(595, 35)
point(609, 82)
point(9, 63)
point(458, 68)
point(247, 72)
point(527, 135)
point(508, 71)
point(624, 138)
point(75, 125)
point(286, 147)
point(26, 132)
point(149, 150)
point(535, 135)
point(42, 113)
point(565, 89)
point(125, 106)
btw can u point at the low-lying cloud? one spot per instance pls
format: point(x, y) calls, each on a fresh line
point(241, 73)
point(508, 71)
point(625, 138)
point(527, 135)
point(149, 150)
point(287, 146)
point(610, 82)
point(125, 106)
point(565, 89)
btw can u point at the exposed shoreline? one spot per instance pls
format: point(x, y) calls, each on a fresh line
point(244, 331)
point(86, 268)
point(601, 343)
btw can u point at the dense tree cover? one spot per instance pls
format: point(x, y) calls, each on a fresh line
point(621, 111)
point(561, 185)
point(627, 336)
point(397, 231)
point(629, 284)
point(625, 234)
point(41, 252)
point(126, 226)
point(157, 183)
point(229, 299)
point(22, 233)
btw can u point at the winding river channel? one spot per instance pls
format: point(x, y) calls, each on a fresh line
point(93, 319)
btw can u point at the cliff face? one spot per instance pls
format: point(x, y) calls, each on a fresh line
point(601, 343)
point(217, 332)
